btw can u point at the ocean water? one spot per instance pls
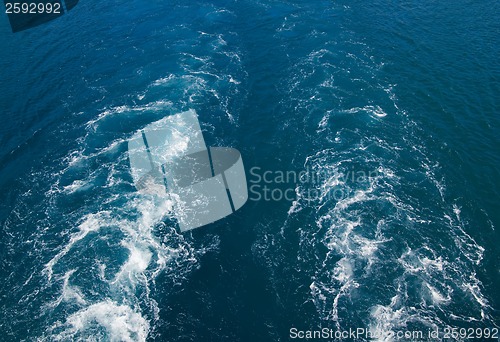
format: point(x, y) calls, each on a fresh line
point(394, 104)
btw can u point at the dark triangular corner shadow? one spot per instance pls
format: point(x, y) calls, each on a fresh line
point(70, 4)
point(37, 13)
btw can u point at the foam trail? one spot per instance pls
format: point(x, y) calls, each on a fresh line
point(117, 315)
point(389, 258)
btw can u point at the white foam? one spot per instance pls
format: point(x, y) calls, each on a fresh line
point(436, 296)
point(374, 110)
point(153, 106)
point(119, 322)
point(77, 185)
point(343, 270)
point(69, 293)
point(91, 223)
point(137, 262)
point(386, 319)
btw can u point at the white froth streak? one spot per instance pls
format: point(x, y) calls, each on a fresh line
point(90, 224)
point(119, 317)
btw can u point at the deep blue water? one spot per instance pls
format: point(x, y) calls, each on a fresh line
point(404, 92)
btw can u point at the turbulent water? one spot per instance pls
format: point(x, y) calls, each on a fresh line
point(393, 106)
